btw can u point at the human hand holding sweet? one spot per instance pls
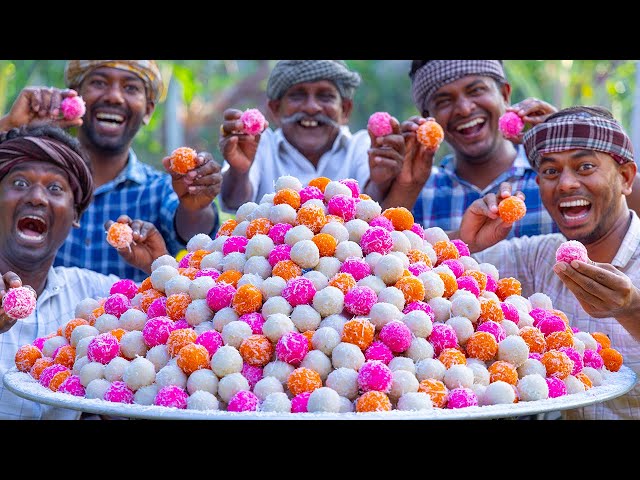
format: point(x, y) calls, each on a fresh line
point(386, 154)
point(416, 166)
point(237, 147)
point(531, 111)
point(199, 185)
point(418, 158)
point(482, 224)
point(602, 290)
point(10, 280)
point(40, 105)
point(147, 243)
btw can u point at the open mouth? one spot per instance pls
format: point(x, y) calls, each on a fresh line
point(306, 123)
point(109, 120)
point(32, 228)
point(471, 127)
point(575, 210)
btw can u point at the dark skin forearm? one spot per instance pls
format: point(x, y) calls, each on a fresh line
point(190, 223)
point(603, 291)
point(236, 188)
point(402, 196)
point(5, 123)
point(374, 191)
point(630, 322)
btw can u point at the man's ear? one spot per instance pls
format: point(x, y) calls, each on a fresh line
point(151, 106)
point(274, 110)
point(505, 92)
point(628, 172)
point(76, 220)
point(347, 108)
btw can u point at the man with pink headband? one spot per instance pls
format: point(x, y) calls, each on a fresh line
point(586, 169)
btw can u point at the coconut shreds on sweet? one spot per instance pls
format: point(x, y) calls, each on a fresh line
point(510, 124)
point(334, 326)
point(73, 107)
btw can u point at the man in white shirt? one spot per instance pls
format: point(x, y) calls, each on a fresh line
point(45, 186)
point(311, 102)
point(586, 169)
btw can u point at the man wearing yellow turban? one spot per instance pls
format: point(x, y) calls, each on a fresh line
point(120, 96)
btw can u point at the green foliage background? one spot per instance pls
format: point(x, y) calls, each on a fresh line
point(207, 87)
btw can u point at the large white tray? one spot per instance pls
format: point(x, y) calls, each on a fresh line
point(617, 384)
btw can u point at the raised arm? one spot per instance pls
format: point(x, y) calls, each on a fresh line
point(481, 226)
point(415, 171)
point(147, 244)
point(36, 105)
point(386, 156)
point(196, 191)
point(239, 151)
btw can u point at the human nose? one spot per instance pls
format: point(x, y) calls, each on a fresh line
point(311, 104)
point(114, 93)
point(568, 181)
point(37, 195)
point(465, 105)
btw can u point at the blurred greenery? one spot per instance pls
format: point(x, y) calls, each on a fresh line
point(206, 87)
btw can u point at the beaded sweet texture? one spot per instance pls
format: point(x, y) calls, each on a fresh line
point(315, 300)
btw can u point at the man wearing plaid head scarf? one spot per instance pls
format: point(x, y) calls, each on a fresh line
point(586, 169)
point(120, 97)
point(466, 97)
point(311, 102)
point(45, 186)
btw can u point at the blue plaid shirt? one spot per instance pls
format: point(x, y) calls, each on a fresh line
point(445, 197)
point(140, 191)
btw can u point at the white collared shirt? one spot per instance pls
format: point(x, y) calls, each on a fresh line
point(531, 261)
point(276, 157)
point(64, 289)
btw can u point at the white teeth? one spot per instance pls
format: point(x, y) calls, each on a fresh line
point(472, 123)
point(309, 123)
point(575, 203)
point(573, 218)
point(110, 116)
point(34, 217)
point(30, 238)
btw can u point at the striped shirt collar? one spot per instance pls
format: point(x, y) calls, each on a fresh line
point(341, 141)
point(629, 243)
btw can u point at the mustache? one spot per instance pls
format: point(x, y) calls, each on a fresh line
point(318, 117)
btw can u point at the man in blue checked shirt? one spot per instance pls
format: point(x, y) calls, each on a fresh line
point(120, 97)
point(466, 97)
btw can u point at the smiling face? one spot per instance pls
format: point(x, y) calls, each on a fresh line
point(584, 191)
point(117, 106)
point(468, 109)
point(37, 212)
point(310, 115)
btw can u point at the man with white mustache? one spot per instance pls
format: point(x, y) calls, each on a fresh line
point(311, 102)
